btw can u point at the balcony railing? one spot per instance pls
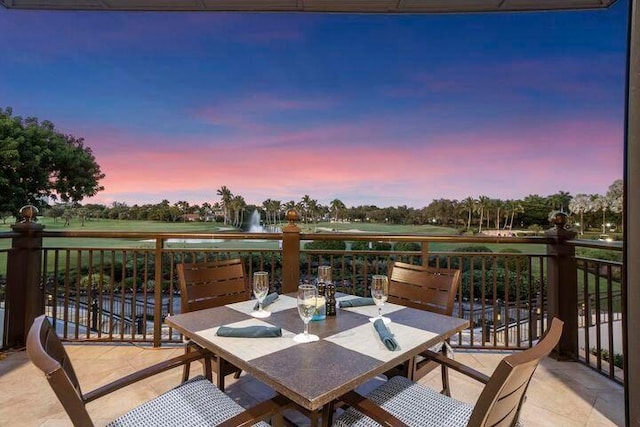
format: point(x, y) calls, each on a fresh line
point(111, 293)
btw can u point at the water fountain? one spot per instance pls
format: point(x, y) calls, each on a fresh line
point(255, 226)
point(254, 222)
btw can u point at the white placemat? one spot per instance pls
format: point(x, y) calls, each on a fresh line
point(365, 339)
point(283, 302)
point(249, 348)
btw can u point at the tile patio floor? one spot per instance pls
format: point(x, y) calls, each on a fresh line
point(561, 393)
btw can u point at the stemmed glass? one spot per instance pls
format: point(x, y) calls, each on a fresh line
point(260, 290)
point(380, 292)
point(324, 274)
point(307, 296)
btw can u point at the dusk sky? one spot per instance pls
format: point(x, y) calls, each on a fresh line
point(370, 109)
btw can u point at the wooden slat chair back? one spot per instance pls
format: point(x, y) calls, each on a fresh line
point(401, 402)
point(48, 354)
point(188, 404)
point(424, 288)
point(500, 402)
point(212, 284)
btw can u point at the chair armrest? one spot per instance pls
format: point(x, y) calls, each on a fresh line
point(261, 412)
point(166, 365)
point(456, 366)
point(371, 410)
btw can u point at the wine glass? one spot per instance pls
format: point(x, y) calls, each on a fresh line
point(324, 274)
point(307, 296)
point(260, 290)
point(380, 292)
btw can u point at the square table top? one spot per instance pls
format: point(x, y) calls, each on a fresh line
point(348, 354)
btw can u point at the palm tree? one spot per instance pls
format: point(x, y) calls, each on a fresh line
point(300, 208)
point(267, 206)
point(469, 204)
point(276, 208)
point(238, 205)
point(231, 206)
point(579, 205)
point(491, 204)
point(615, 196)
point(272, 211)
point(601, 203)
point(304, 206)
point(314, 209)
point(337, 207)
point(498, 205)
point(508, 206)
point(226, 196)
point(291, 204)
point(517, 208)
point(559, 201)
point(183, 207)
point(483, 202)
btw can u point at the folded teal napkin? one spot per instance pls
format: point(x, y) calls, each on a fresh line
point(267, 300)
point(385, 335)
point(250, 332)
point(356, 302)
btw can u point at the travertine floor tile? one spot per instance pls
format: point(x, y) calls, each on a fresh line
point(561, 393)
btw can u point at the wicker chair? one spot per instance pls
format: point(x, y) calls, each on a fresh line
point(206, 285)
point(424, 288)
point(196, 402)
point(401, 402)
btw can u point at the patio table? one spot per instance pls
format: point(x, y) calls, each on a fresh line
point(348, 354)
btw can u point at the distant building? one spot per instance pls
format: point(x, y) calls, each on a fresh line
point(189, 217)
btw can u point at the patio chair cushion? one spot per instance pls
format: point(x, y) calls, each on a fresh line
point(413, 404)
point(196, 402)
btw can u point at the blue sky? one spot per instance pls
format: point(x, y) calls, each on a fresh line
point(371, 109)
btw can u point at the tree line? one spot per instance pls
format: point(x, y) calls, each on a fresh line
point(476, 214)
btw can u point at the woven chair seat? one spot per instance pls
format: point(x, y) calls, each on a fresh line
point(413, 404)
point(196, 402)
point(401, 399)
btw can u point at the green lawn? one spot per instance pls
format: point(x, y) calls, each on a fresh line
point(205, 227)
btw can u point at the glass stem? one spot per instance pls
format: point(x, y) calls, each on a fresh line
point(306, 328)
point(379, 311)
point(259, 306)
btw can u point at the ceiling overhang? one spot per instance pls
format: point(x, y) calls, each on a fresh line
point(347, 6)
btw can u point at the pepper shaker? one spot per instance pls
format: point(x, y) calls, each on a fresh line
point(330, 292)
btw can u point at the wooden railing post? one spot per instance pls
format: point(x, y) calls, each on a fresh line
point(290, 253)
point(25, 293)
point(157, 294)
point(425, 254)
point(562, 286)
